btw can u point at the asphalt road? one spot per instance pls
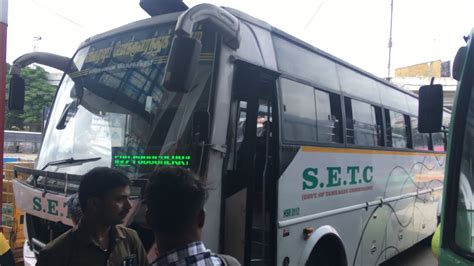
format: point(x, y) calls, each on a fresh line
point(418, 255)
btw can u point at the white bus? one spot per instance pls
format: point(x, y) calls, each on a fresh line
point(311, 159)
point(21, 141)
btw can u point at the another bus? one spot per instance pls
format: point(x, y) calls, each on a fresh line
point(311, 160)
point(22, 141)
point(457, 221)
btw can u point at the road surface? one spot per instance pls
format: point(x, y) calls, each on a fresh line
point(418, 255)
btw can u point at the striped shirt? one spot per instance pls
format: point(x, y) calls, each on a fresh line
point(193, 254)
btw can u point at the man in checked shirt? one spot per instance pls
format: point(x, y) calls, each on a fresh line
point(175, 198)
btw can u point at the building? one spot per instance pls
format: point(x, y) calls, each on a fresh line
point(415, 76)
point(54, 78)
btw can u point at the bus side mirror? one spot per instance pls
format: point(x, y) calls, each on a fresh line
point(458, 62)
point(201, 124)
point(16, 94)
point(182, 64)
point(430, 108)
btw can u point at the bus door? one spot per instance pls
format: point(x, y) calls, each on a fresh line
point(249, 185)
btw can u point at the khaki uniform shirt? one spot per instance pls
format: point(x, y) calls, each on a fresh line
point(75, 247)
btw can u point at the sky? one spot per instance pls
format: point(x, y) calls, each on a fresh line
point(355, 31)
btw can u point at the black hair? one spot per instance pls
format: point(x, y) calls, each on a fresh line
point(174, 196)
point(99, 181)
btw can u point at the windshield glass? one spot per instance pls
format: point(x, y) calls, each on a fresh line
point(464, 230)
point(112, 106)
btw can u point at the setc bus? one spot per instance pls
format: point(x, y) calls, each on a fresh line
point(311, 160)
point(21, 141)
point(456, 244)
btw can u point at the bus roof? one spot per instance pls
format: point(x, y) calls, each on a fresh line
point(257, 22)
point(265, 25)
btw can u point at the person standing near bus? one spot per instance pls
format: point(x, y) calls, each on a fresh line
point(98, 239)
point(175, 198)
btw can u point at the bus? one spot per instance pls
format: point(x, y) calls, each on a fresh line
point(311, 160)
point(456, 242)
point(22, 141)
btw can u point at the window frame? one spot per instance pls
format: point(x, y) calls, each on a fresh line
point(349, 116)
point(388, 125)
point(336, 96)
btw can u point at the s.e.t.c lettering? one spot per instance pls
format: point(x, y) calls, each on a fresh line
point(336, 176)
point(51, 208)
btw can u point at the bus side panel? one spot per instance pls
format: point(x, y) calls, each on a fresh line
point(380, 202)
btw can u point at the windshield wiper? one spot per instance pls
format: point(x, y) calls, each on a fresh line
point(71, 161)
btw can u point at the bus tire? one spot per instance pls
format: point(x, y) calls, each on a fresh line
point(329, 251)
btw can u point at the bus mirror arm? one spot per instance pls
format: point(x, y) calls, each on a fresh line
point(16, 93)
point(224, 22)
point(183, 60)
point(42, 58)
point(458, 62)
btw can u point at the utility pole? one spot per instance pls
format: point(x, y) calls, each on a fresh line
point(390, 40)
point(3, 75)
point(36, 40)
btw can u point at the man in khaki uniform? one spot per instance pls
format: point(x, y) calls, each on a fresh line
point(98, 239)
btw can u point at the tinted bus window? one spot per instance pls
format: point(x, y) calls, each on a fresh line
point(396, 129)
point(420, 140)
point(305, 64)
point(299, 115)
point(363, 127)
point(328, 114)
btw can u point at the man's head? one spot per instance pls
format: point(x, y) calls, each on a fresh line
point(104, 194)
point(175, 198)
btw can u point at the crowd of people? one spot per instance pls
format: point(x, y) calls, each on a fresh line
point(174, 200)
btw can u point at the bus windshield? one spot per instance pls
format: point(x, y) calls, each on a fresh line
point(111, 106)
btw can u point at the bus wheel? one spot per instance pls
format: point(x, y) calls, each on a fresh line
point(328, 252)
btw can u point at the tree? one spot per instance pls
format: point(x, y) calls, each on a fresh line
point(38, 93)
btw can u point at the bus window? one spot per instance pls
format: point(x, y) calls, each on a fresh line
point(328, 114)
point(420, 140)
point(363, 124)
point(22, 141)
point(299, 116)
point(396, 129)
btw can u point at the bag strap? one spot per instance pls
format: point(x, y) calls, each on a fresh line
point(228, 260)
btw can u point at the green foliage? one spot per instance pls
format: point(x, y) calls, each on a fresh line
point(38, 93)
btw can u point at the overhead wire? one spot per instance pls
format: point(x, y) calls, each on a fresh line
point(57, 14)
point(314, 14)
